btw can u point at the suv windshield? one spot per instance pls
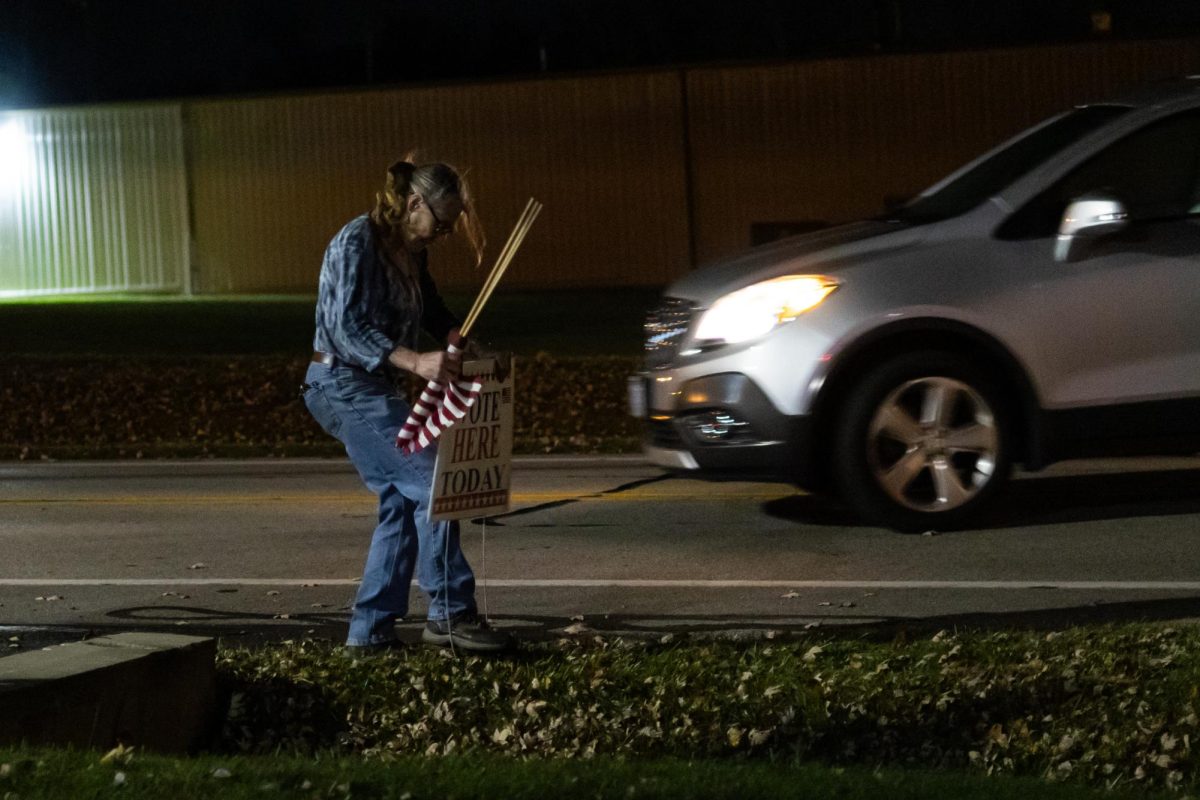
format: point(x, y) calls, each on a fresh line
point(996, 172)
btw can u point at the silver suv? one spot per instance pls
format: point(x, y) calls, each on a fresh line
point(1039, 304)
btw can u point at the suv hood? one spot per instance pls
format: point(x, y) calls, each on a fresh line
point(810, 252)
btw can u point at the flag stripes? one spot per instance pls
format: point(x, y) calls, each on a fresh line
point(439, 406)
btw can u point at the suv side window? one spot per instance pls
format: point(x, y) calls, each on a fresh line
point(1153, 171)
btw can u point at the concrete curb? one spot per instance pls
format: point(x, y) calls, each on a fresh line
point(157, 691)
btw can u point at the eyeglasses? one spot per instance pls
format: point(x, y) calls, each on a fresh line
point(439, 228)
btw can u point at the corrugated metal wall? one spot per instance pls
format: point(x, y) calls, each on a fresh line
point(92, 200)
point(829, 140)
point(640, 173)
point(274, 178)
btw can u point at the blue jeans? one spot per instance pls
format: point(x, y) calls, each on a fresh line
point(363, 412)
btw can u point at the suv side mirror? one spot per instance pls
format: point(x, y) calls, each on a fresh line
point(1087, 218)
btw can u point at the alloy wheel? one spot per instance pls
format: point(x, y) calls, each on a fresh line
point(933, 444)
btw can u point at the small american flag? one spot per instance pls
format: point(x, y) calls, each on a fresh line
point(438, 407)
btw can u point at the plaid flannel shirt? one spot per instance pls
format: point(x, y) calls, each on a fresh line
point(365, 310)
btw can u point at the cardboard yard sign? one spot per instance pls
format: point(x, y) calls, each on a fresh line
point(473, 469)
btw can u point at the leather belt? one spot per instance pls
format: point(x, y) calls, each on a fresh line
point(327, 359)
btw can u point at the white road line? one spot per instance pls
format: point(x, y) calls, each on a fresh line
point(363, 497)
point(1176, 586)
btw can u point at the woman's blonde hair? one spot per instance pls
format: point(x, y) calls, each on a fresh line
point(436, 183)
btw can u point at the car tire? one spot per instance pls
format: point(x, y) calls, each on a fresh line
point(923, 442)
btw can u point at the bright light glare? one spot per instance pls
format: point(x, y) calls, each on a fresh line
point(752, 312)
point(16, 156)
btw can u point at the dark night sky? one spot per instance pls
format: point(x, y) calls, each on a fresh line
point(80, 51)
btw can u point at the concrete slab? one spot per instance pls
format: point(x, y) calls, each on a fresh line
point(156, 691)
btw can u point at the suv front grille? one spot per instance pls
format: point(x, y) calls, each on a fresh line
point(665, 327)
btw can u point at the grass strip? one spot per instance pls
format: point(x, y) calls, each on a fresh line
point(30, 774)
point(1105, 706)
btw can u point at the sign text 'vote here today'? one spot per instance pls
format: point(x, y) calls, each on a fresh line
point(474, 460)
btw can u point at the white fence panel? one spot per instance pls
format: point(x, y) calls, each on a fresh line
point(93, 200)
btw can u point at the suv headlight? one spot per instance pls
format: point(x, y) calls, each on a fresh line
point(753, 311)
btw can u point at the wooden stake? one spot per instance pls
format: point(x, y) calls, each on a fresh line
point(501, 266)
point(503, 251)
point(520, 230)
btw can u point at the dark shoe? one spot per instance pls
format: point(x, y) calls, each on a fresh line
point(466, 632)
point(377, 649)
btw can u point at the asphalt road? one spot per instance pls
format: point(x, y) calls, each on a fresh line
point(273, 548)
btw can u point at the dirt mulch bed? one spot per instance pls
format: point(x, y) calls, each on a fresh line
point(109, 407)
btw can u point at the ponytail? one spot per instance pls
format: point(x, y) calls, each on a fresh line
point(389, 203)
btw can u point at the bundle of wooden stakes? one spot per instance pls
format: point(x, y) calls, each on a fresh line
point(441, 405)
point(524, 223)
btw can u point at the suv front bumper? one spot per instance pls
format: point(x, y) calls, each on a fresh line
point(724, 426)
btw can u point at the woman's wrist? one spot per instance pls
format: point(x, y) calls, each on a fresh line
point(405, 359)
